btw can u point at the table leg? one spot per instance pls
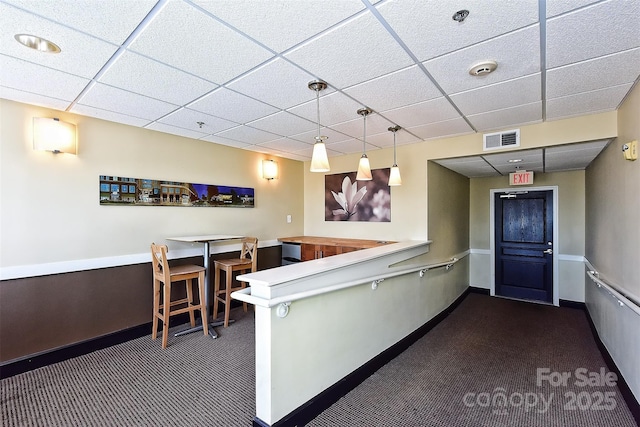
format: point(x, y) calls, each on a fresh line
point(207, 292)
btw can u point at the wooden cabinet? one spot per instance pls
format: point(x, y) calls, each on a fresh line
point(312, 251)
point(322, 247)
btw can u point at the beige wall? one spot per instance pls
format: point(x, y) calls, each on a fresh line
point(613, 244)
point(409, 201)
point(613, 204)
point(49, 203)
point(448, 211)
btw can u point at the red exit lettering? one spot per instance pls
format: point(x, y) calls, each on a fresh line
point(521, 178)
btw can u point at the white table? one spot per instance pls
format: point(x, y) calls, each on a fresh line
point(206, 241)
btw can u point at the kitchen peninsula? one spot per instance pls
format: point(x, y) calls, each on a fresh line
point(312, 247)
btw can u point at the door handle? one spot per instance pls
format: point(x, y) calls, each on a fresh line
point(548, 251)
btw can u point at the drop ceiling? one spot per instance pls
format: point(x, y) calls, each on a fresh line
point(235, 72)
point(559, 158)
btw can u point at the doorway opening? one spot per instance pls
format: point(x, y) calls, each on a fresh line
point(523, 241)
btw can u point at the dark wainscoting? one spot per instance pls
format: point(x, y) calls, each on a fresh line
point(51, 318)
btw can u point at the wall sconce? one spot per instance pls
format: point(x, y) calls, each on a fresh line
point(54, 135)
point(269, 169)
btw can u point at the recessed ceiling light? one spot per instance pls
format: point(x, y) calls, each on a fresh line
point(483, 67)
point(514, 160)
point(460, 15)
point(37, 43)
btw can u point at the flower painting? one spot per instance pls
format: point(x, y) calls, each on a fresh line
point(349, 200)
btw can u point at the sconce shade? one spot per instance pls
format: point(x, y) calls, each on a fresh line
point(319, 159)
point(364, 169)
point(54, 135)
point(394, 176)
point(269, 169)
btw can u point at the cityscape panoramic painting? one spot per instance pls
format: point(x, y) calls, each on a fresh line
point(117, 190)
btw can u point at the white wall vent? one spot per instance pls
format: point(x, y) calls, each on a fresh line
point(506, 139)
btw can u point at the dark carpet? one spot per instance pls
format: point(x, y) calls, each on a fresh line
point(478, 367)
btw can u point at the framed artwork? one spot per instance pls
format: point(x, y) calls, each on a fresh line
point(346, 199)
point(116, 190)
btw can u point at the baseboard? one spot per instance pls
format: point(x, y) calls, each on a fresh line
point(311, 409)
point(625, 391)
point(39, 360)
point(572, 304)
point(481, 291)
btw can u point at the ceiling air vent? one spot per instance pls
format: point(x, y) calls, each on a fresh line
point(506, 139)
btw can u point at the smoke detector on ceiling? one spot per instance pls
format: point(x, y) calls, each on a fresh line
point(482, 68)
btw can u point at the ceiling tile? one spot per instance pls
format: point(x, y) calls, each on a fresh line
point(283, 123)
point(445, 128)
point(170, 38)
point(217, 139)
point(334, 108)
point(531, 160)
point(370, 52)
point(309, 137)
point(188, 119)
point(98, 113)
point(397, 89)
point(586, 103)
point(103, 19)
point(281, 24)
point(471, 167)
point(162, 127)
point(80, 54)
point(524, 90)
point(285, 144)
point(233, 106)
point(131, 72)
point(572, 156)
point(350, 146)
point(517, 55)
point(32, 98)
point(128, 103)
point(602, 72)
point(355, 128)
point(32, 78)
point(278, 83)
point(385, 139)
point(247, 135)
point(435, 110)
point(506, 118)
point(557, 7)
point(597, 30)
point(427, 27)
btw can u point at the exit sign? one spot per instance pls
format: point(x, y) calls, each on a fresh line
point(521, 178)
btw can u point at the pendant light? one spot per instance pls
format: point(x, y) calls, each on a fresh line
point(394, 176)
point(364, 169)
point(319, 159)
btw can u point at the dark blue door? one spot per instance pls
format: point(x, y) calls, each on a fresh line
point(524, 245)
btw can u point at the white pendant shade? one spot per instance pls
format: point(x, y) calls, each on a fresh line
point(364, 169)
point(319, 159)
point(394, 176)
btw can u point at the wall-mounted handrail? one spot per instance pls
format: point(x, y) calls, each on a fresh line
point(245, 294)
point(623, 300)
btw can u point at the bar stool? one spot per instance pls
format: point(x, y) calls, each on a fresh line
point(165, 275)
point(248, 261)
